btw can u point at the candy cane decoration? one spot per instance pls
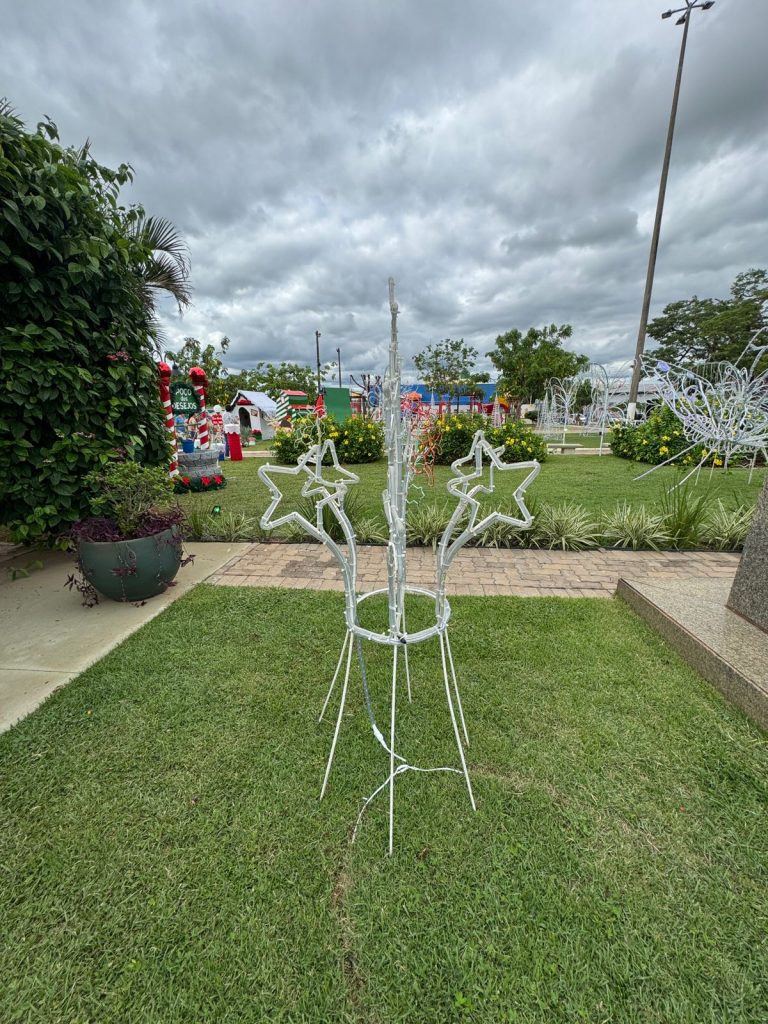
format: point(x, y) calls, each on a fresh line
point(165, 397)
point(199, 382)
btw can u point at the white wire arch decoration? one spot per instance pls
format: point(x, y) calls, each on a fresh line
point(328, 485)
point(723, 407)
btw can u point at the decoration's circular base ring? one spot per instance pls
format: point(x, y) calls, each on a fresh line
point(403, 639)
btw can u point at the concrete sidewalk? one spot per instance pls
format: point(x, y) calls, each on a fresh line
point(47, 637)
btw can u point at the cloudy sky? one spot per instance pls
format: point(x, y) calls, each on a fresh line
point(499, 159)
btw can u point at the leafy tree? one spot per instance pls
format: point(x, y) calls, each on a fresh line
point(694, 331)
point(276, 377)
point(527, 361)
point(77, 378)
point(193, 353)
point(447, 367)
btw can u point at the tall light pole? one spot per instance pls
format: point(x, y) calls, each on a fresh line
point(338, 363)
point(685, 21)
point(317, 346)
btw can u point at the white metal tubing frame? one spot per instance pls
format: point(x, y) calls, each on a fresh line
point(724, 408)
point(328, 486)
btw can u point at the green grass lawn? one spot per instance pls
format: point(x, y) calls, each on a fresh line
point(596, 481)
point(165, 859)
point(587, 440)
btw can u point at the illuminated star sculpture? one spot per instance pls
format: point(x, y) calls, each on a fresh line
point(328, 485)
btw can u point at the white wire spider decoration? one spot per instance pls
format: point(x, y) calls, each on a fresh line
point(724, 407)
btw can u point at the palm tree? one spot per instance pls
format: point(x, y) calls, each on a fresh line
point(167, 267)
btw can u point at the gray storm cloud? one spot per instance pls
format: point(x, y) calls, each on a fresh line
point(500, 161)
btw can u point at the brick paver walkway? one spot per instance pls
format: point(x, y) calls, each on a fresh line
point(477, 571)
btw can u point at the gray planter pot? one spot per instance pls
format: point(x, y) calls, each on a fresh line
point(132, 570)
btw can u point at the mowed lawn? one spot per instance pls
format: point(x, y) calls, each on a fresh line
point(165, 859)
point(597, 482)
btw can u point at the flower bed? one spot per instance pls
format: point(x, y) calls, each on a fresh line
point(196, 484)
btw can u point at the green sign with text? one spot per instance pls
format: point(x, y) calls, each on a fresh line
point(184, 399)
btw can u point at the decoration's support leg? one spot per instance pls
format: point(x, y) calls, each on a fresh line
point(347, 640)
point(338, 720)
point(407, 665)
point(455, 724)
point(456, 688)
point(752, 466)
point(392, 753)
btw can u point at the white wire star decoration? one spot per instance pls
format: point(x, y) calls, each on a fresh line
point(327, 486)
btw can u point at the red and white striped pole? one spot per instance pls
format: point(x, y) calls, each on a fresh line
point(199, 383)
point(165, 397)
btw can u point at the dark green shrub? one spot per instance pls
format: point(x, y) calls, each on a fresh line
point(361, 440)
point(290, 443)
point(623, 439)
point(519, 442)
point(358, 440)
point(453, 435)
point(658, 439)
point(77, 378)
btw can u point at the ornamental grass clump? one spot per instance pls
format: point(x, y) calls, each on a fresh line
point(635, 528)
point(567, 526)
point(684, 514)
point(726, 529)
point(505, 535)
point(425, 524)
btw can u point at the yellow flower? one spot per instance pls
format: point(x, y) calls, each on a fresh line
point(663, 450)
point(666, 437)
point(645, 442)
point(717, 462)
point(447, 430)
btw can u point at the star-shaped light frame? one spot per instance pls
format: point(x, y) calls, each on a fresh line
point(463, 487)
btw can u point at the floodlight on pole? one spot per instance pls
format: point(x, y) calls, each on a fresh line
point(685, 20)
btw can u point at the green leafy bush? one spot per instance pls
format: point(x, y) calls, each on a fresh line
point(77, 378)
point(290, 443)
point(361, 440)
point(451, 437)
point(128, 493)
point(658, 439)
point(519, 442)
point(358, 440)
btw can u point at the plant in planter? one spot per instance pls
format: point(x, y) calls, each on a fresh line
point(130, 548)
